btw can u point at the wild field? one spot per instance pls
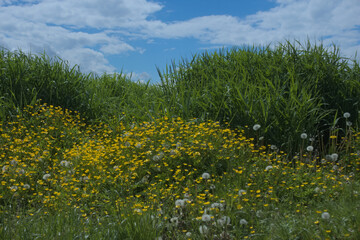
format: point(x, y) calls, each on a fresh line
point(251, 143)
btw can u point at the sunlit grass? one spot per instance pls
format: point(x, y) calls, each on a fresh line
point(169, 179)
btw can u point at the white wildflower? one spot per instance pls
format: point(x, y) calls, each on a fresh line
point(220, 206)
point(203, 229)
point(205, 176)
point(334, 157)
point(268, 168)
point(256, 127)
point(243, 222)
point(242, 192)
point(65, 163)
point(206, 218)
point(225, 220)
point(303, 136)
point(346, 115)
point(158, 157)
point(188, 234)
point(46, 176)
point(325, 215)
point(310, 148)
point(180, 203)
point(175, 220)
point(26, 186)
point(273, 147)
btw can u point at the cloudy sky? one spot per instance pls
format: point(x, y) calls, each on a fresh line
point(135, 36)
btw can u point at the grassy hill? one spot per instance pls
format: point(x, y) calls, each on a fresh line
point(250, 143)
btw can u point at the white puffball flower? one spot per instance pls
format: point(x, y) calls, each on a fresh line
point(303, 136)
point(64, 163)
point(26, 186)
point(220, 206)
point(268, 168)
point(225, 220)
point(175, 220)
point(273, 147)
point(206, 218)
point(205, 176)
point(346, 115)
point(243, 222)
point(325, 215)
point(46, 176)
point(188, 234)
point(242, 192)
point(256, 127)
point(334, 157)
point(203, 229)
point(310, 148)
point(180, 203)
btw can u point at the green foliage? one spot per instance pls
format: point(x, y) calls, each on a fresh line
point(26, 78)
point(288, 90)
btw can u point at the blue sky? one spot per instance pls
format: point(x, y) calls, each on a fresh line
point(137, 35)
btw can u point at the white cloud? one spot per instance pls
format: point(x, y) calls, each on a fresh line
point(315, 19)
point(84, 32)
point(62, 28)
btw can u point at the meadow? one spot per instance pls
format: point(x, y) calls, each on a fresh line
point(242, 143)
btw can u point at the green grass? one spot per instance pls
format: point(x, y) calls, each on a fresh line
point(102, 157)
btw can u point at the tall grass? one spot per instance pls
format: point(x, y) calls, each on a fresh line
point(26, 78)
point(288, 89)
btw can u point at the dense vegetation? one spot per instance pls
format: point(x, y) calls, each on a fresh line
point(246, 143)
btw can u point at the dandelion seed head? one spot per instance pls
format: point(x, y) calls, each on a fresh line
point(243, 222)
point(310, 148)
point(346, 115)
point(268, 168)
point(242, 192)
point(256, 127)
point(205, 176)
point(225, 220)
point(203, 229)
point(273, 147)
point(180, 203)
point(206, 218)
point(46, 176)
point(220, 206)
point(303, 135)
point(64, 163)
point(334, 157)
point(325, 215)
point(174, 220)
